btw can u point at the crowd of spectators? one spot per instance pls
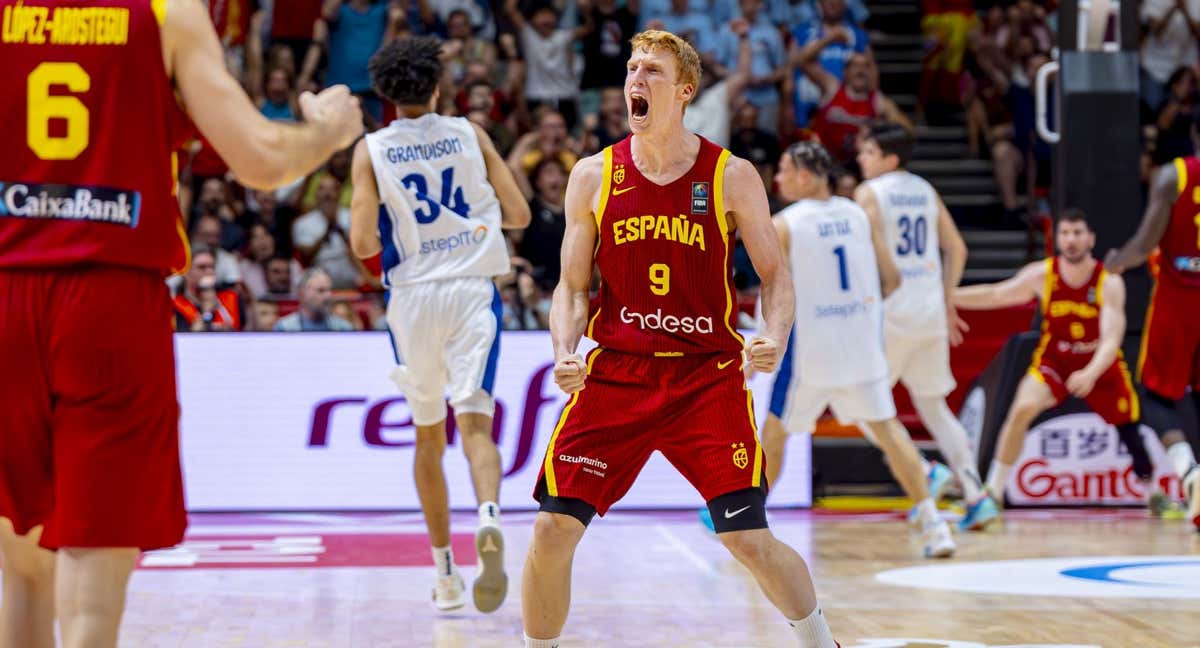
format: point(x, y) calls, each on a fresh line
point(543, 78)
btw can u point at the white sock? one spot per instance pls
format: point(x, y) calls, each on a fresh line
point(812, 631)
point(927, 512)
point(951, 438)
point(489, 513)
point(925, 465)
point(998, 477)
point(443, 559)
point(1182, 458)
point(530, 642)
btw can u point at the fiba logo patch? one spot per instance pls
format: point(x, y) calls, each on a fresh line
point(1091, 295)
point(619, 174)
point(741, 458)
point(700, 198)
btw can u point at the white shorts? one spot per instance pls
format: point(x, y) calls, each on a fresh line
point(447, 340)
point(922, 364)
point(869, 401)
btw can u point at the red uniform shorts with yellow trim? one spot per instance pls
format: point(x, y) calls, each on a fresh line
point(1113, 397)
point(696, 410)
point(1170, 358)
point(89, 437)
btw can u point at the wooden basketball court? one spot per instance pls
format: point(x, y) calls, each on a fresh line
point(658, 579)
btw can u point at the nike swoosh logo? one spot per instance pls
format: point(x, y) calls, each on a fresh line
point(729, 515)
point(722, 365)
point(618, 192)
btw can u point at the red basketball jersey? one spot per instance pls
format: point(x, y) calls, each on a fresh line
point(1070, 318)
point(1180, 244)
point(839, 121)
point(88, 175)
point(665, 255)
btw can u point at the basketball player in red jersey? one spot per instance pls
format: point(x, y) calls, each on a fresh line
point(89, 228)
point(1169, 361)
point(656, 214)
point(1079, 354)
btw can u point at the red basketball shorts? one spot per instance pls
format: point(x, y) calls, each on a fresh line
point(696, 410)
point(1170, 357)
point(1113, 397)
point(89, 436)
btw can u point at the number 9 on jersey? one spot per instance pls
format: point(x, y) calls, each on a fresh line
point(660, 279)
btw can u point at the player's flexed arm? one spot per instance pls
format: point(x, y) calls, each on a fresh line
point(1022, 287)
point(569, 307)
point(746, 200)
point(1112, 331)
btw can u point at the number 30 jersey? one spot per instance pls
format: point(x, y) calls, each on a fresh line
point(87, 175)
point(838, 339)
point(439, 218)
point(665, 255)
point(908, 207)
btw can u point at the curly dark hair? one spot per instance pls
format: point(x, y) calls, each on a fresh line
point(406, 71)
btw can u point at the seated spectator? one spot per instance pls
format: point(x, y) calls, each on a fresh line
point(278, 100)
point(199, 306)
point(343, 310)
point(550, 78)
point(848, 106)
point(540, 243)
point(523, 305)
point(501, 106)
point(550, 139)
point(691, 23)
point(710, 112)
point(480, 97)
point(263, 207)
point(253, 265)
point(768, 61)
point(315, 298)
point(338, 168)
point(1171, 30)
point(264, 314)
point(1175, 118)
point(613, 122)
point(321, 238)
point(282, 276)
point(206, 230)
point(830, 41)
point(761, 148)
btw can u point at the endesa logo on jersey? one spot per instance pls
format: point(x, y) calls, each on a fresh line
point(70, 202)
point(656, 321)
point(451, 243)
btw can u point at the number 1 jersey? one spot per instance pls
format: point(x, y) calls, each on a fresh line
point(88, 171)
point(439, 218)
point(665, 256)
point(838, 338)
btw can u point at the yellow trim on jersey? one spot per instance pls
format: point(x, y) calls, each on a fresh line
point(605, 189)
point(1181, 178)
point(1036, 373)
point(668, 354)
point(1135, 405)
point(756, 478)
point(1141, 363)
point(187, 249)
point(1047, 288)
point(159, 7)
point(719, 210)
point(548, 462)
point(1100, 288)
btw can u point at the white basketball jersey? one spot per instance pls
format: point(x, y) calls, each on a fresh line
point(908, 207)
point(838, 339)
point(438, 215)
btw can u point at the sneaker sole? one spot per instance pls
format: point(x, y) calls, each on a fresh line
point(491, 583)
point(460, 604)
point(941, 552)
point(981, 525)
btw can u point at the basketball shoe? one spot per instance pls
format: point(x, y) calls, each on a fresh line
point(980, 514)
point(491, 583)
point(940, 478)
point(449, 593)
point(939, 543)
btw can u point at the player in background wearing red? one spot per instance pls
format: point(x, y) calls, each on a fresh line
point(1169, 361)
point(98, 96)
point(656, 214)
point(1079, 354)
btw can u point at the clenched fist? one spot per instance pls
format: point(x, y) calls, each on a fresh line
point(570, 373)
point(337, 111)
point(763, 354)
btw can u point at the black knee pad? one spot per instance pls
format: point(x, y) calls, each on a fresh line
point(572, 506)
point(741, 510)
point(1131, 436)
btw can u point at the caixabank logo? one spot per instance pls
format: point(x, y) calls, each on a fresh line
point(70, 202)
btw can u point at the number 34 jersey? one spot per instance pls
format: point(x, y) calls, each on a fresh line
point(439, 218)
point(838, 339)
point(908, 207)
point(87, 172)
point(665, 256)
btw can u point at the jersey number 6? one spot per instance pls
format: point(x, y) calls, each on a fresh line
point(41, 107)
